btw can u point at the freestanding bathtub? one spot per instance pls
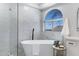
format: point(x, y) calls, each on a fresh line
point(38, 47)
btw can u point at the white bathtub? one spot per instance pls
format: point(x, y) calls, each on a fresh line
point(38, 47)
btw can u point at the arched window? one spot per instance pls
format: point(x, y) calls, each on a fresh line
point(54, 20)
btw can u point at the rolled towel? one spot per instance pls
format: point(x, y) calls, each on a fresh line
point(65, 30)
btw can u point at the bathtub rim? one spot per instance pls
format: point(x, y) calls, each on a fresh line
point(37, 42)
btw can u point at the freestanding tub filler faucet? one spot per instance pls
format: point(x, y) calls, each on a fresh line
point(33, 34)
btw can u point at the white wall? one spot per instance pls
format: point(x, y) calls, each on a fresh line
point(28, 18)
point(69, 11)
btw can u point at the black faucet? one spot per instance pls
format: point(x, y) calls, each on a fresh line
point(33, 34)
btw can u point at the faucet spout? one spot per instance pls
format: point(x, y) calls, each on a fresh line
point(33, 34)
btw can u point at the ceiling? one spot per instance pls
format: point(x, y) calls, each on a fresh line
point(41, 5)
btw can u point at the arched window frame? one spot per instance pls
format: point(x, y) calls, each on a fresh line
point(51, 20)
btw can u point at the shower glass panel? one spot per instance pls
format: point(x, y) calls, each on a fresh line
point(4, 29)
point(8, 29)
point(15, 27)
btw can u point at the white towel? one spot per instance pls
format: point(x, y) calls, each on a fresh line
point(35, 48)
point(65, 30)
